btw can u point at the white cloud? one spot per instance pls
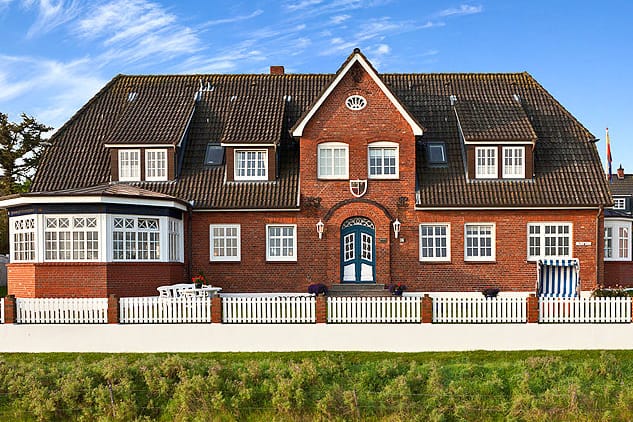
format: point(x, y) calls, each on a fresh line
point(382, 49)
point(431, 24)
point(338, 19)
point(302, 4)
point(234, 19)
point(51, 14)
point(135, 30)
point(464, 9)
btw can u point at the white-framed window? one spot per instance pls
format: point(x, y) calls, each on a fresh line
point(251, 165)
point(436, 152)
point(549, 240)
point(129, 164)
point(383, 160)
point(175, 234)
point(435, 242)
point(479, 242)
point(333, 159)
point(513, 163)
point(135, 238)
point(281, 242)
point(23, 238)
point(486, 162)
point(619, 203)
point(155, 164)
point(71, 238)
point(617, 241)
point(224, 242)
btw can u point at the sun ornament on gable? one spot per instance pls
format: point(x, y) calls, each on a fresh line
point(356, 102)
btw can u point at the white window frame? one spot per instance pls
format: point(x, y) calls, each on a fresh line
point(434, 238)
point(514, 170)
point(486, 170)
point(137, 241)
point(618, 240)
point(619, 203)
point(23, 238)
point(156, 166)
point(383, 146)
point(542, 237)
point(176, 243)
point(127, 171)
point(224, 237)
point(258, 154)
point(333, 146)
point(73, 230)
point(281, 258)
point(493, 237)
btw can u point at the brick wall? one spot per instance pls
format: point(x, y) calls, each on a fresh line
point(618, 273)
point(396, 261)
point(91, 279)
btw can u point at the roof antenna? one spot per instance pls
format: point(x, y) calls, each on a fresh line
point(453, 99)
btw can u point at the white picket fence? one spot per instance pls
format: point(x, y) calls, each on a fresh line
point(590, 309)
point(268, 309)
point(164, 310)
point(373, 309)
point(61, 310)
point(479, 310)
point(1, 311)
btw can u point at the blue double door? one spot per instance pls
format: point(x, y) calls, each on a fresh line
point(358, 245)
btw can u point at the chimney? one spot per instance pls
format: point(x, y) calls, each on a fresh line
point(277, 70)
point(621, 172)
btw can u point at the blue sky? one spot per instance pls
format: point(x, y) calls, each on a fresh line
point(56, 54)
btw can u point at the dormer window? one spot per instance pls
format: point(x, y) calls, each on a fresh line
point(214, 155)
point(436, 154)
point(155, 164)
point(129, 165)
point(513, 163)
point(251, 165)
point(486, 163)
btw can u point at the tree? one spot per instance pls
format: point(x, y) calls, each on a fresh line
point(21, 146)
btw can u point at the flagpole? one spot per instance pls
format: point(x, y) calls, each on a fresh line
point(609, 158)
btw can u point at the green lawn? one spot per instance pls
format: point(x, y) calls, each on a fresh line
point(543, 386)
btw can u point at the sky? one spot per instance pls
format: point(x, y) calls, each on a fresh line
point(56, 54)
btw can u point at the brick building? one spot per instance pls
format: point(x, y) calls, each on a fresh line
point(618, 266)
point(444, 182)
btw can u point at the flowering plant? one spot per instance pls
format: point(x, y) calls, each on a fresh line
point(490, 292)
point(317, 289)
point(199, 279)
point(396, 289)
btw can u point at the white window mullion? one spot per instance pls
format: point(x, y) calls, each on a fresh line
point(332, 160)
point(281, 242)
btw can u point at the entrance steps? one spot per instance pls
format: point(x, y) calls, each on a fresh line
point(366, 290)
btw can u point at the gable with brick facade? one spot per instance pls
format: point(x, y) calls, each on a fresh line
point(269, 183)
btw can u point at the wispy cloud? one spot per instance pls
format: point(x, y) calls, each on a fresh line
point(233, 19)
point(133, 30)
point(338, 19)
point(303, 4)
point(50, 15)
point(464, 9)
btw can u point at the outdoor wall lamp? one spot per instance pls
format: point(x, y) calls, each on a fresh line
point(320, 226)
point(396, 228)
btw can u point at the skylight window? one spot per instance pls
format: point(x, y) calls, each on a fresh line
point(214, 155)
point(436, 153)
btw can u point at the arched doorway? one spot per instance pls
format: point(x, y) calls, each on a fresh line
point(358, 250)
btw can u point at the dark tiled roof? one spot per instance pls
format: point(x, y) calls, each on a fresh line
point(499, 119)
point(622, 186)
point(255, 119)
point(110, 189)
point(153, 112)
point(567, 167)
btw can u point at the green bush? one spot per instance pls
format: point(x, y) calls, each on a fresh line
point(538, 386)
